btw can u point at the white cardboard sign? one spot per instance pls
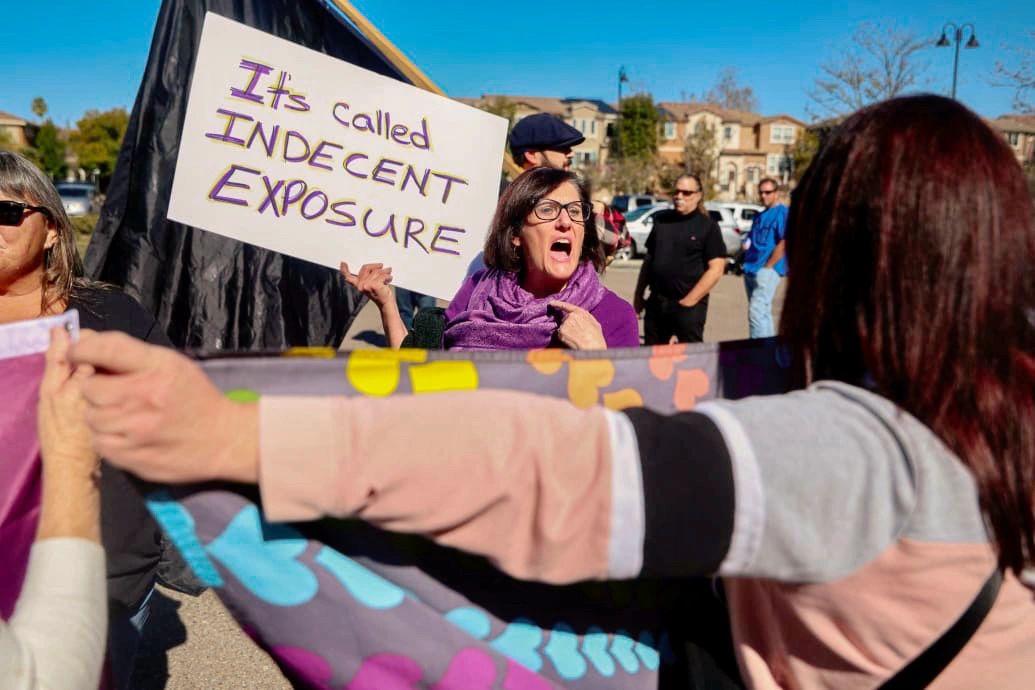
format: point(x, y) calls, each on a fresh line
point(291, 150)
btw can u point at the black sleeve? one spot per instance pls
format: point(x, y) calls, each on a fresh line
point(650, 241)
point(110, 309)
point(714, 247)
point(688, 493)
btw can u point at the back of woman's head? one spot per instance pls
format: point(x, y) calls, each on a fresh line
point(517, 201)
point(20, 179)
point(910, 243)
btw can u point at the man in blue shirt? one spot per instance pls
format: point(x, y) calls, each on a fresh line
point(764, 262)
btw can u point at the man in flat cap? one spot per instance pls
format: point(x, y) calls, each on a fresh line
point(543, 140)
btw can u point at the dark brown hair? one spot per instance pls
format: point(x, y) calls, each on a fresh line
point(910, 244)
point(513, 208)
point(62, 267)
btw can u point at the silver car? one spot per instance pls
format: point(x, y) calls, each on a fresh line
point(79, 199)
point(640, 222)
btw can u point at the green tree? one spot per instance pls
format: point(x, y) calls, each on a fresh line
point(701, 153)
point(97, 140)
point(39, 106)
point(802, 153)
point(50, 149)
point(637, 128)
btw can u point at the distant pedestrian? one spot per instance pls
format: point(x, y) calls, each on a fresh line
point(685, 259)
point(543, 141)
point(764, 263)
point(410, 302)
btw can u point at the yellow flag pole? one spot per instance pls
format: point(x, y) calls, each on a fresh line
point(401, 62)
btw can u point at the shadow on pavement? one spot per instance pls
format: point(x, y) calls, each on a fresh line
point(164, 631)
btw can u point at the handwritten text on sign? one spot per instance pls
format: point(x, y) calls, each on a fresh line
point(291, 150)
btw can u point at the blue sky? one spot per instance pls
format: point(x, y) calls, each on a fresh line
point(81, 55)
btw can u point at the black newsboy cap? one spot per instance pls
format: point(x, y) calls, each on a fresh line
point(542, 132)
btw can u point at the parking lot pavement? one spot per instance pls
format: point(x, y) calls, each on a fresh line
point(194, 644)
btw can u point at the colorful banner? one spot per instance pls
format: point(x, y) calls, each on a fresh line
point(340, 604)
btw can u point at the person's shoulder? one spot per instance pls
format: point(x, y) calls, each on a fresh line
point(669, 215)
point(615, 308)
point(107, 308)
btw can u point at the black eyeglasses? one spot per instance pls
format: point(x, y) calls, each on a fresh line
point(11, 212)
point(767, 191)
point(685, 192)
point(548, 209)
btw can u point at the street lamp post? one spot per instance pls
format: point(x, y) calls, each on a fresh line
point(957, 35)
point(622, 77)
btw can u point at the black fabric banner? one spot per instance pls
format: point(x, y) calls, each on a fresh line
point(210, 292)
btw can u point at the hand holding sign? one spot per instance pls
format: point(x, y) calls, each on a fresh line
point(373, 281)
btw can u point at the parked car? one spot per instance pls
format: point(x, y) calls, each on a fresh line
point(731, 234)
point(640, 222)
point(630, 202)
point(743, 214)
point(79, 199)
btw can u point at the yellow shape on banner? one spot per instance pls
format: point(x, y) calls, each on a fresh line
point(376, 372)
point(447, 375)
point(317, 352)
point(585, 379)
point(620, 400)
point(548, 361)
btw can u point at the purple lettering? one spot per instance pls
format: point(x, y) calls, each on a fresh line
point(288, 136)
point(267, 144)
point(318, 153)
point(449, 183)
point(350, 220)
point(317, 194)
point(409, 174)
point(290, 198)
point(382, 166)
point(225, 181)
point(257, 71)
point(423, 137)
point(409, 233)
point(398, 134)
point(278, 90)
point(334, 113)
point(359, 120)
point(270, 201)
point(439, 236)
point(300, 104)
point(231, 118)
point(348, 163)
point(389, 226)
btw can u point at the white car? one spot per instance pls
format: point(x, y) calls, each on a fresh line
point(639, 223)
point(731, 234)
point(743, 214)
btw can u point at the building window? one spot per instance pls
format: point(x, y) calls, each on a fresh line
point(727, 134)
point(781, 134)
point(587, 157)
point(777, 164)
point(752, 174)
point(1014, 138)
point(610, 129)
point(670, 130)
point(593, 127)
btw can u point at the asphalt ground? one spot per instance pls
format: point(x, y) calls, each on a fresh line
point(193, 643)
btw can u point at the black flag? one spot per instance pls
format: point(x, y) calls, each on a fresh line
point(211, 292)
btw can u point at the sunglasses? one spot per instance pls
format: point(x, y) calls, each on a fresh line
point(685, 192)
point(12, 212)
point(767, 192)
point(548, 209)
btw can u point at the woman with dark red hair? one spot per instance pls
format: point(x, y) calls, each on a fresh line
point(868, 526)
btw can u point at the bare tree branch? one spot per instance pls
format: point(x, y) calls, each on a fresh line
point(1020, 76)
point(880, 63)
point(728, 93)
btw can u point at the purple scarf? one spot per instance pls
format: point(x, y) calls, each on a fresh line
point(502, 315)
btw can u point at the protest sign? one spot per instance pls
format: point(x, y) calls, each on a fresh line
point(288, 149)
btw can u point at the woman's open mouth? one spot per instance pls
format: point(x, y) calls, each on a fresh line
point(560, 251)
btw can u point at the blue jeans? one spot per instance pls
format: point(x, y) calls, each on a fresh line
point(761, 288)
point(410, 303)
point(126, 628)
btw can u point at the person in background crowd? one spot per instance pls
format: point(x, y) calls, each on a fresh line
point(409, 303)
point(685, 259)
point(55, 638)
point(855, 520)
point(541, 286)
point(764, 261)
point(543, 140)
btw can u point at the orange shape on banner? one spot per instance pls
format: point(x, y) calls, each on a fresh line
point(663, 359)
point(585, 379)
point(620, 400)
point(376, 372)
point(548, 361)
point(690, 385)
point(315, 352)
